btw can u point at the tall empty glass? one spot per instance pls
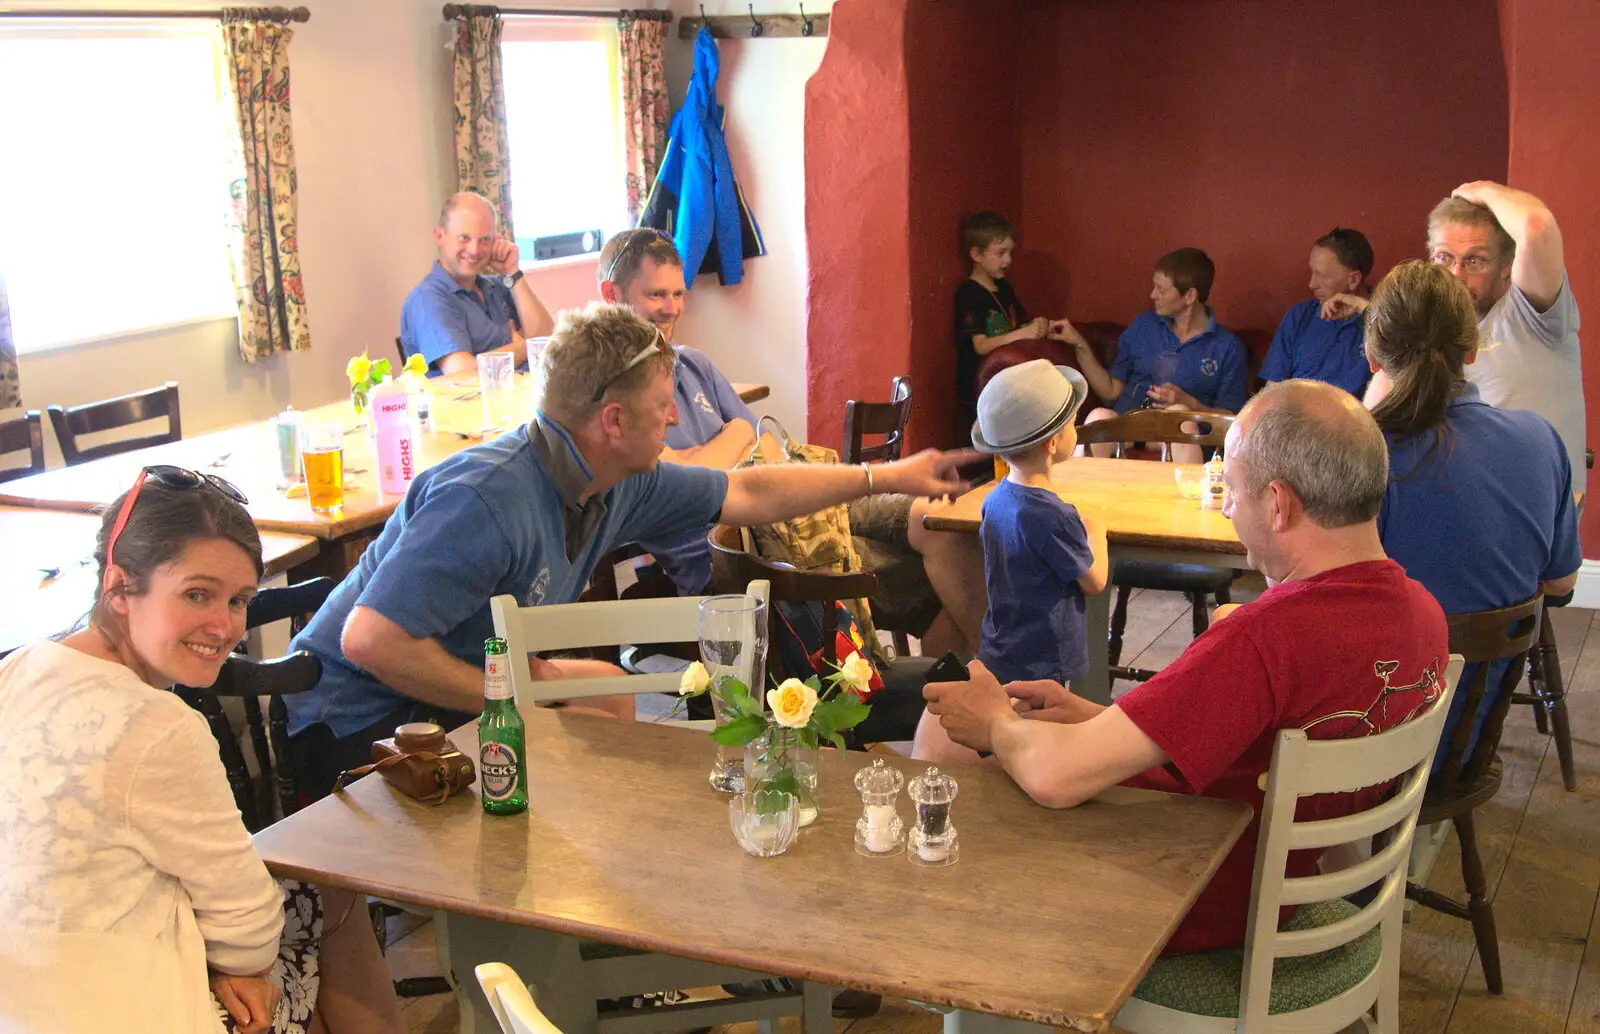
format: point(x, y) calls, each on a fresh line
point(733, 644)
point(497, 385)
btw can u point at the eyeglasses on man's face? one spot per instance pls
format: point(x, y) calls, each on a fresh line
point(1466, 263)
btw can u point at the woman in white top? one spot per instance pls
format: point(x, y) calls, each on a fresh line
point(129, 888)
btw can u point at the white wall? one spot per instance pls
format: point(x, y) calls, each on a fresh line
point(375, 154)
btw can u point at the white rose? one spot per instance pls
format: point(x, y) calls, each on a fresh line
point(856, 673)
point(695, 679)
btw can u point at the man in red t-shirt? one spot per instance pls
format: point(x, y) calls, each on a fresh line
point(1342, 643)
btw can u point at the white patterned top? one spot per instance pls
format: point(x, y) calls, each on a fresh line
point(124, 867)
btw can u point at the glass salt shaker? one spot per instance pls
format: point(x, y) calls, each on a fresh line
point(879, 830)
point(932, 840)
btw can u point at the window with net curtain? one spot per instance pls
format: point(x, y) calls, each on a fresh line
point(564, 124)
point(114, 185)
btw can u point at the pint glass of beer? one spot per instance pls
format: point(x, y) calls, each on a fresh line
point(322, 457)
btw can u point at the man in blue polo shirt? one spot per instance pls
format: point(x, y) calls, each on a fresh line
point(458, 312)
point(1175, 356)
point(1321, 339)
point(401, 638)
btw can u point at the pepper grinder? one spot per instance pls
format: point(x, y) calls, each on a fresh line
point(879, 830)
point(932, 840)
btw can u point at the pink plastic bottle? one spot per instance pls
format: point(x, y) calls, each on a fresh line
point(397, 460)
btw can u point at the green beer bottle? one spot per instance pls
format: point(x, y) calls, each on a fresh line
point(502, 768)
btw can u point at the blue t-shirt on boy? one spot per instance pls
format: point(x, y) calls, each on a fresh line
point(1035, 549)
point(1306, 345)
point(498, 518)
point(1212, 366)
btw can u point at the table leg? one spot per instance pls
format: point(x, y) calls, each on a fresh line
point(1095, 684)
point(960, 1021)
point(548, 962)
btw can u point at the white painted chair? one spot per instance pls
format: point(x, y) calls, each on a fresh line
point(572, 626)
point(1335, 962)
point(570, 974)
point(512, 1004)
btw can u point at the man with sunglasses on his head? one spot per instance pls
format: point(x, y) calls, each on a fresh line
point(475, 299)
point(926, 579)
point(530, 514)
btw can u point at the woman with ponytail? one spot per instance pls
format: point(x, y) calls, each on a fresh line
point(131, 896)
point(1479, 507)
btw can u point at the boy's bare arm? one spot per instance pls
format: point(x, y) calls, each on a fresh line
point(1094, 581)
point(1030, 331)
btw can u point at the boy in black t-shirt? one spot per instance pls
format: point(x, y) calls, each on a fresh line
point(988, 313)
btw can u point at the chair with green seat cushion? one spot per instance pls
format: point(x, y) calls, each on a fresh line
point(1334, 963)
point(1207, 983)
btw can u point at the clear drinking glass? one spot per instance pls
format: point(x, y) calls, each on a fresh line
point(497, 386)
point(766, 824)
point(322, 459)
point(733, 644)
point(1166, 367)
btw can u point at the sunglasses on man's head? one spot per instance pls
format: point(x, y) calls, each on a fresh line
point(659, 345)
point(179, 479)
point(637, 241)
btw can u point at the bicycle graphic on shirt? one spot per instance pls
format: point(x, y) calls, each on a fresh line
point(1428, 684)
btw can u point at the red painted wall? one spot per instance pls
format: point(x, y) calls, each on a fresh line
point(858, 154)
point(1555, 153)
point(965, 118)
point(1248, 130)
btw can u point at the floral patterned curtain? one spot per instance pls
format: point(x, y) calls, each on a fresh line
point(266, 255)
point(10, 383)
point(483, 154)
point(640, 36)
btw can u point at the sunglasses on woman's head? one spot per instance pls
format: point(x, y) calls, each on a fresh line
point(179, 479)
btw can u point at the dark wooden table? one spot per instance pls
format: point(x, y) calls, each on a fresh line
point(1049, 916)
point(33, 606)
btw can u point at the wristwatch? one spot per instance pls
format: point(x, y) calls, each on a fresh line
point(510, 279)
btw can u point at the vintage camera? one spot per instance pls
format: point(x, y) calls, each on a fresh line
point(420, 762)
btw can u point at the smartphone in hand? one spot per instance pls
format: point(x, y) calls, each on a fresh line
point(948, 669)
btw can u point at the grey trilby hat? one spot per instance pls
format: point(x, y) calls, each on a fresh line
point(1024, 405)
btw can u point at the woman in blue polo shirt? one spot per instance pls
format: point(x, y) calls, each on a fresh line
point(1479, 507)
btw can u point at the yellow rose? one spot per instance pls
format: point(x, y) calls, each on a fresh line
point(792, 703)
point(856, 674)
point(358, 369)
point(695, 680)
point(416, 365)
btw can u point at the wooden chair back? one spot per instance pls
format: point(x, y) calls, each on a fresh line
point(72, 421)
point(25, 432)
point(509, 1000)
point(1158, 426)
point(1483, 637)
point(887, 419)
point(400, 350)
point(271, 792)
point(571, 626)
point(1303, 767)
point(733, 565)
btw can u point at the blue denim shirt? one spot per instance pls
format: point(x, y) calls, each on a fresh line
point(441, 317)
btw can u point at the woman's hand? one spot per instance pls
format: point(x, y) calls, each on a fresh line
point(249, 1000)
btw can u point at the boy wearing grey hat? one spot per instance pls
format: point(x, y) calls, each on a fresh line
point(1040, 557)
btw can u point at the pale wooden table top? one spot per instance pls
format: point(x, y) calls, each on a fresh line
point(1136, 500)
point(42, 539)
point(248, 456)
point(1050, 916)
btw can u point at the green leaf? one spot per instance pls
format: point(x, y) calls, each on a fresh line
point(845, 711)
point(835, 739)
point(782, 781)
point(381, 368)
point(740, 701)
point(740, 730)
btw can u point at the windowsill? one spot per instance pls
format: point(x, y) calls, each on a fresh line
point(588, 258)
point(124, 335)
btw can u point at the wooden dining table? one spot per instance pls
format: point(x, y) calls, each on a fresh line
point(47, 570)
point(1145, 517)
point(1047, 916)
point(247, 456)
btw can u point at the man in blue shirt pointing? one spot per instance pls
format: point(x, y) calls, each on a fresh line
point(530, 514)
point(1321, 339)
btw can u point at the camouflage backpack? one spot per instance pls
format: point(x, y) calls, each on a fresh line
point(817, 541)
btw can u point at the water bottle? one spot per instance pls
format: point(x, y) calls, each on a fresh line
point(391, 416)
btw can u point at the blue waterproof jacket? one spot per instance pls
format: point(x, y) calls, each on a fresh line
point(695, 198)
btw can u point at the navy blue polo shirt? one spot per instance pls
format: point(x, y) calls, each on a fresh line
point(706, 403)
point(1212, 365)
point(440, 317)
point(498, 518)
point(1481, 515)
point(1035, 549)
point(1306, 345)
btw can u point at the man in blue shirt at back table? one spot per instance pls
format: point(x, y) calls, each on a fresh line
point(1320, 339)
point(475, 299)
point(1176, 356)
point(401, 638)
